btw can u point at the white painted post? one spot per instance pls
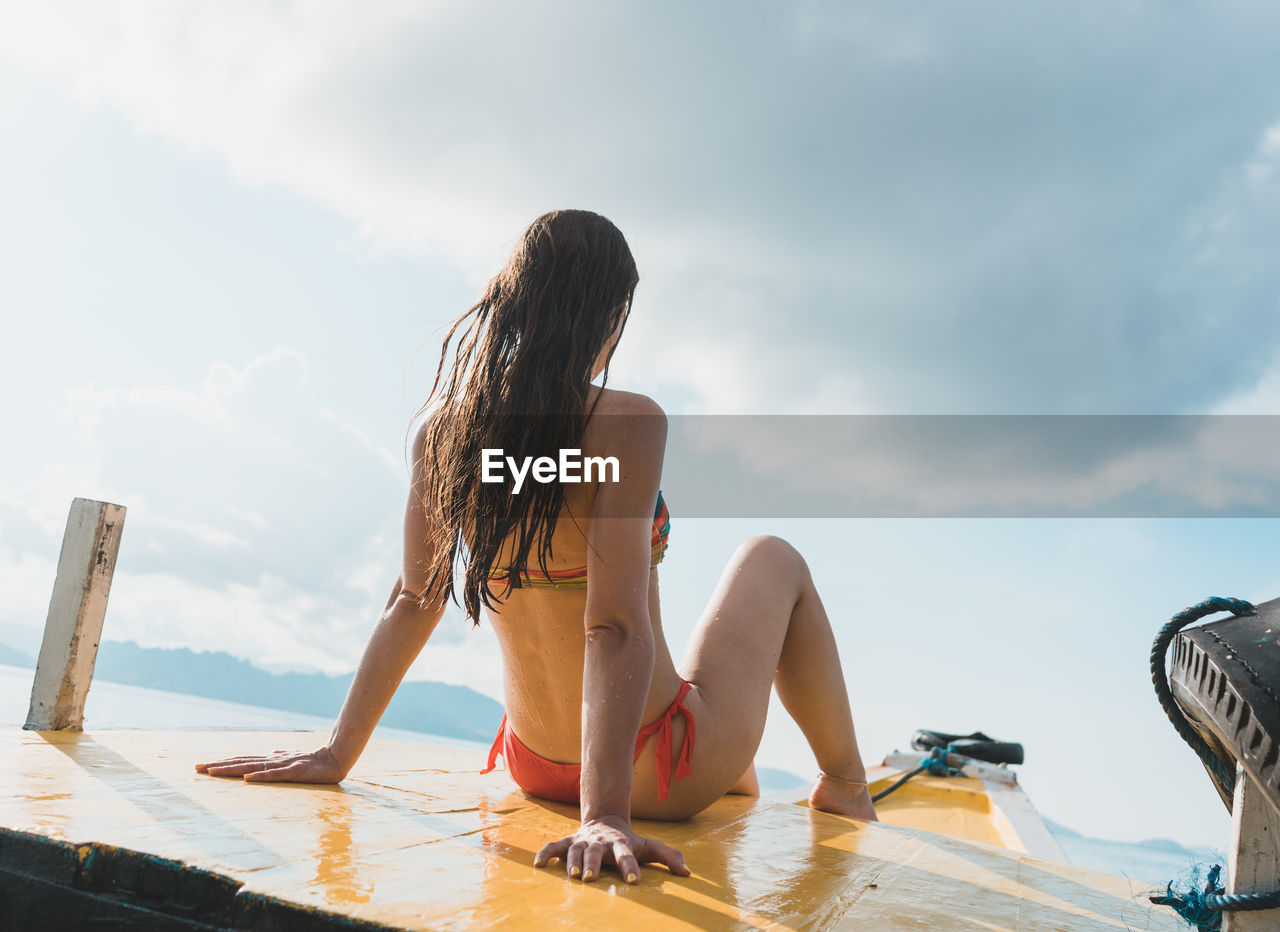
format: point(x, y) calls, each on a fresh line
point(1254, 864)
point(76, 610)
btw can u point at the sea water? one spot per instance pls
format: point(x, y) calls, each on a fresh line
point(118, 705)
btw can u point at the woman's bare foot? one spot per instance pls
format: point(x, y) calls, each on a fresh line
point(843, 797)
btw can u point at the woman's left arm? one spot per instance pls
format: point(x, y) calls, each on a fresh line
point(398, 637)
point(618, 661)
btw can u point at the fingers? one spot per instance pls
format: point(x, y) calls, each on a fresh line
point(549, 852)
point(592, 860)
point(628, 866)
point(655, 852)
point(313, 767)
point(584, 858)
point(235, 768)
point(573, 863)
point(227, 762)
point(270, 774)
point(254, 768)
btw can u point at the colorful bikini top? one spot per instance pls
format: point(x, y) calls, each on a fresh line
point(576, 578)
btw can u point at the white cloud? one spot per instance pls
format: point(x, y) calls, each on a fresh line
point(248, 516)
point(270, 622)
point(221, 538)
point(27, 582)
point(956, 466)
point(1262, 398)
point(1262, 168)
point(38, 508)
point(267, 89)
point(259, 522)
point(856, 211)
point(250, 441)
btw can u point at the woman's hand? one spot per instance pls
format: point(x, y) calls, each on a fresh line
point(609, 840)
point(319, 766)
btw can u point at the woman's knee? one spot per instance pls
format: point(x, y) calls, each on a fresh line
point(774, 549)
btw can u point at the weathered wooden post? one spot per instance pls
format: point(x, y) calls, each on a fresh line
point(1254, 862)
point(76, 610)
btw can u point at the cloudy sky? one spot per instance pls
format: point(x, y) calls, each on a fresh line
point(235, 231)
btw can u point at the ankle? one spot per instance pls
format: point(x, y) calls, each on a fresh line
point(849, 781)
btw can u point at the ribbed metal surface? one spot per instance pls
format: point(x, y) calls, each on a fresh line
point(1226, 677)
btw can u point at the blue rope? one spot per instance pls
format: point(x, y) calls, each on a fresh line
point(1192, 905)
point(936, 763)
point(1243, 902)
point(1204, 908)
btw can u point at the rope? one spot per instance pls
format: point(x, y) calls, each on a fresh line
point(1243, 902)
point(935, 763)
point(901, 780)
point(1202, 908)
point(1191, 905)
point(1223, 771)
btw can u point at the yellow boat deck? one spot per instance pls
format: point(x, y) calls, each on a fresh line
point(955, 806)
point(963, 807)
point(416, 838)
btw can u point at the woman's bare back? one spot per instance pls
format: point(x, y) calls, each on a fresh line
point(542, 635)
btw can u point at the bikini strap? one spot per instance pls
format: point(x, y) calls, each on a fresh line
point(497, 745)
point(662, 753)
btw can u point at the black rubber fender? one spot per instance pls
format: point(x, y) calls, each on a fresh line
point(1225, 678)
point(976, 745)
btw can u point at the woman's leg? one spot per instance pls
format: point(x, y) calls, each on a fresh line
point(765, 625)
point(748, 784)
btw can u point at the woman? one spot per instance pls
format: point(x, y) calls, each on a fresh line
point(566, 574)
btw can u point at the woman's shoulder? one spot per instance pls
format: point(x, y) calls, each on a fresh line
point(418, 445)
point(614, 402)
point(626, 422)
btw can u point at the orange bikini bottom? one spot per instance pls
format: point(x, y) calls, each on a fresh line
point(562, 782)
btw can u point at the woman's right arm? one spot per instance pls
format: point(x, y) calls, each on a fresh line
point(398, 637)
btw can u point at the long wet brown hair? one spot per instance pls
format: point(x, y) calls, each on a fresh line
point(519, 381)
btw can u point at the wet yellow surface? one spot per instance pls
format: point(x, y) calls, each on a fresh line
point(955, 806)
point(416, 838)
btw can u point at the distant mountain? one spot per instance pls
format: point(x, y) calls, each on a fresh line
point(15, 658)
point(1157, 860)
point(436, 708)
point(1061, 831)
point(1066, 835)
